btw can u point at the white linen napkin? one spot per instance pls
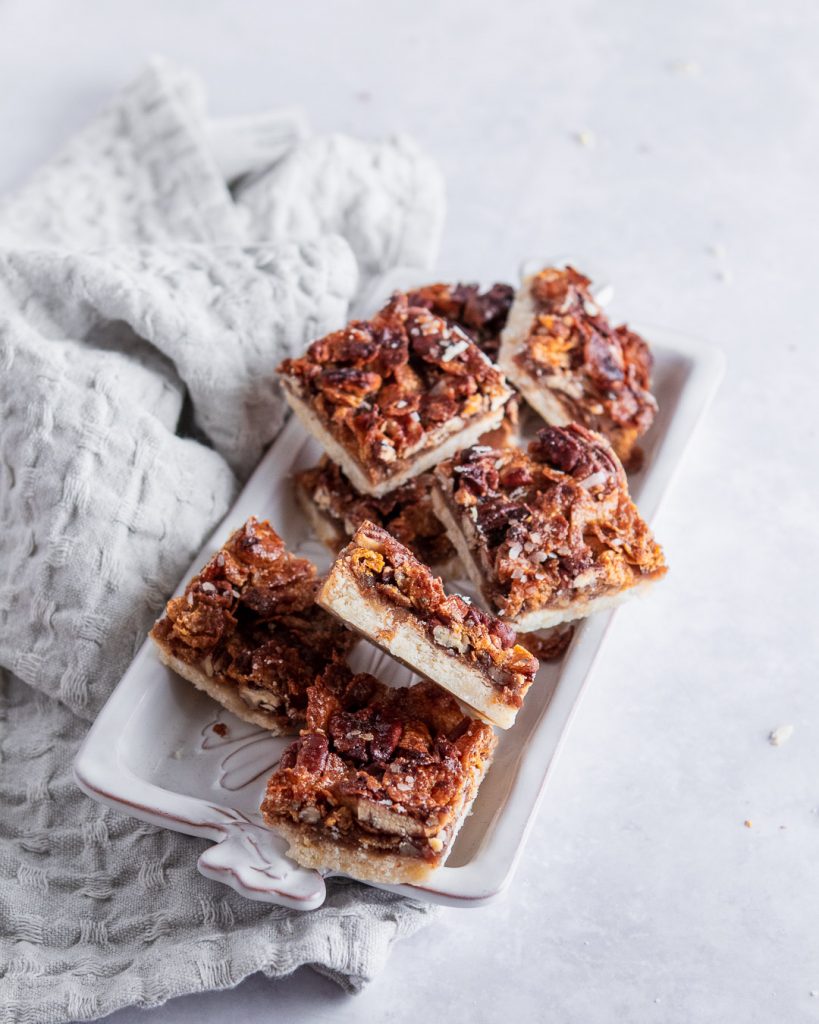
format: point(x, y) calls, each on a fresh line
point(143, 308)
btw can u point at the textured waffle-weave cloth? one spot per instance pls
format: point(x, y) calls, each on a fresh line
point(143, 307)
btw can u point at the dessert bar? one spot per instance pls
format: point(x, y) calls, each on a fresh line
point(379, 588)
point(248, 632)
point(380, 781)
point(336, 510)
point(390, 397)
point(547, 535)
point(560, 351)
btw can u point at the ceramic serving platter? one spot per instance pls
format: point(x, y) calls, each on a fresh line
point(153, 752)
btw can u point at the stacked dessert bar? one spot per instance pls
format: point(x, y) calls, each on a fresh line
point(425, 478)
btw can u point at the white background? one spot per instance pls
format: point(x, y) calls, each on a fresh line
point(642, 895)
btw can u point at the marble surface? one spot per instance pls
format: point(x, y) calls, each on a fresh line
point(671, 876)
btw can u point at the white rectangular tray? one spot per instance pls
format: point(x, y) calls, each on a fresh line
point(152, 752)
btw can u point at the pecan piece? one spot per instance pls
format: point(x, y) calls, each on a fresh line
point(427, 338)
point(349, 733)
point(512, 477)
point(394, 401)
point(312, 753)
point(478, 477)
point(504, 634)
point(604, 358)
point(437, 408)
point(352, 345)
point(392, 351)
point(386, 737)
point(575, 563)
point(559, 449)
point(488, 311)
point(289, 757)
point(496, 516)
point(347, 385)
